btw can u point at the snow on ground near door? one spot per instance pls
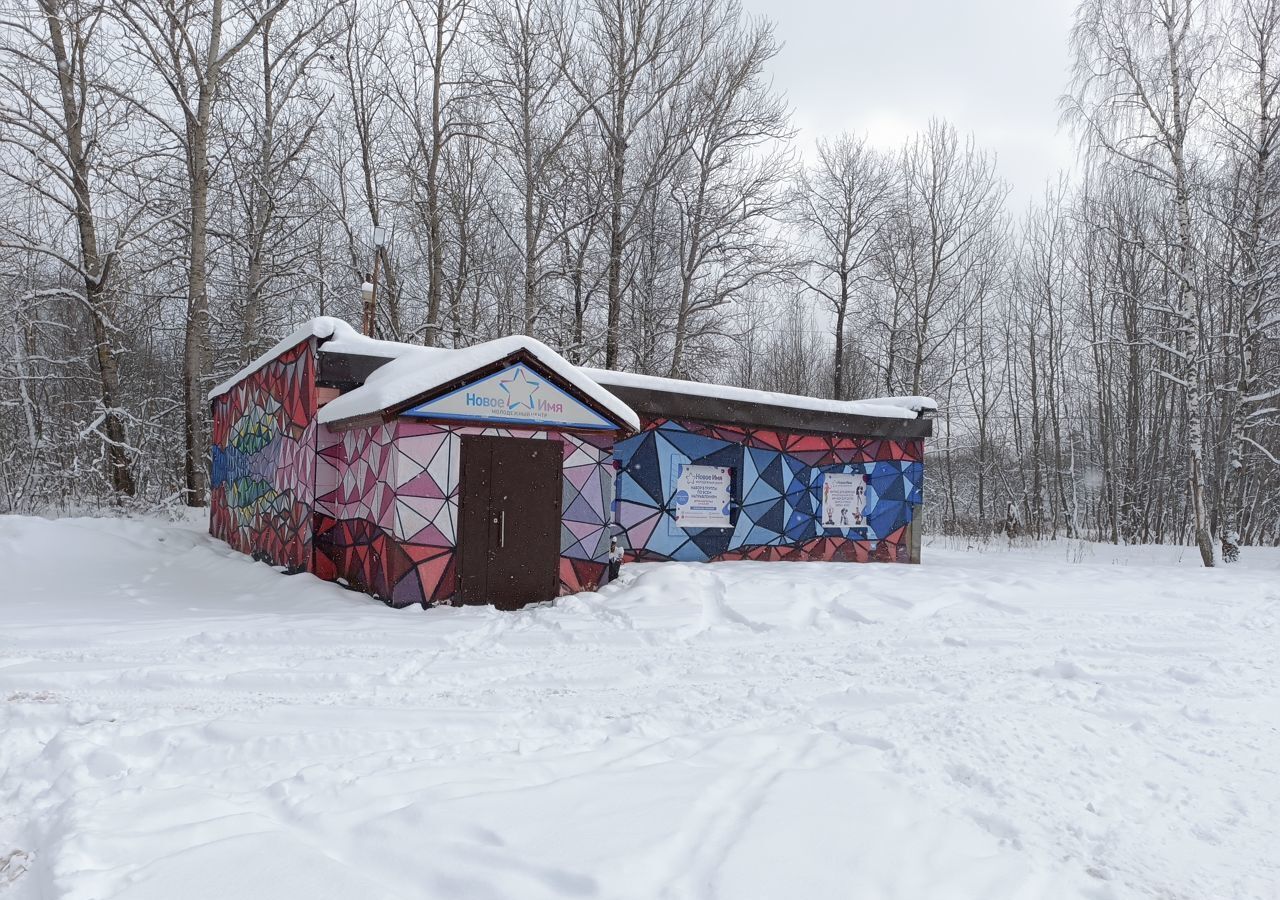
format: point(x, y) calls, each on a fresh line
point(179, 721)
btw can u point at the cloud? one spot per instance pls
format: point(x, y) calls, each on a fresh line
point(992, 67)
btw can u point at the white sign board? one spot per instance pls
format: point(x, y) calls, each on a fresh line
point(702, 496)
point(516, 395)
point(844, 496)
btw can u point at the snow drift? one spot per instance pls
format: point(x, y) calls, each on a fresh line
point(179, 721)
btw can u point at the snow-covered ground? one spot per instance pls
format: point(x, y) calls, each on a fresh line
point(177, 721)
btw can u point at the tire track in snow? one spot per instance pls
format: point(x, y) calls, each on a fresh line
point(684, 866)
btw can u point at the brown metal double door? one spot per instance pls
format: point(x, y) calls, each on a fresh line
point(509, 521)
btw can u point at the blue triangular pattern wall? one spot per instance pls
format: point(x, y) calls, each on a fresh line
point(777, 495)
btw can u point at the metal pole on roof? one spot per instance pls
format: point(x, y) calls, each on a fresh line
point(366, 310)
point(369, 290)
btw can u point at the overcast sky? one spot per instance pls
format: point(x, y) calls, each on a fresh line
point(992, 67)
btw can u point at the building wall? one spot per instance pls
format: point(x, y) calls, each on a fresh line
point(776, 489)
point(387, 508)
point(262, 471)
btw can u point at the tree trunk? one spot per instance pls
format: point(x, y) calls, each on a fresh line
point(842, 310)
point(435, 274)
point(251, 318)
point(618, 168)
point(530, 226)
point(95, 271)
point(195, 344)
point(1189, 326)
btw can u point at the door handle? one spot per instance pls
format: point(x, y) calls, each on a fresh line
point(502, 529)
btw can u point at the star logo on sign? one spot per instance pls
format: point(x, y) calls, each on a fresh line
point(520, 387)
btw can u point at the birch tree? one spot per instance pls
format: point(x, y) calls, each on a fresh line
point(358, 150)
point(1139, 69)
point(1252, 134)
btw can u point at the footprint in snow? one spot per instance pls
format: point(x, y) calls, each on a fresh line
point(1184, 676)
point(969, 777)
point(13, 865)
point(716, 610)
point(1063, 668)
point(983, 600)
point(814, 615)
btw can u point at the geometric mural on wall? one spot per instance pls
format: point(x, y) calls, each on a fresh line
point(387, 508)
point(586, 503)
point(378, 506)
point(262, 465)
point(355, 512)
point(776, 491)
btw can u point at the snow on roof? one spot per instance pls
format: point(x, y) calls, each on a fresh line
point(414, 370)
point(355, 343)
point(883, 407)
point(320, 327)
point(915, 403)
point(417, 370)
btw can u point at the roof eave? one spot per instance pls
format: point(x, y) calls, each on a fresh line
point(739, 413)
point(396, 410)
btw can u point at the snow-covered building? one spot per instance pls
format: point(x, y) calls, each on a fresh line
point(498, 473)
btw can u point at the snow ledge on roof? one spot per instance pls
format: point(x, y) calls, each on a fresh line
point(322, 327)
point(880, 407)
point(915, 403)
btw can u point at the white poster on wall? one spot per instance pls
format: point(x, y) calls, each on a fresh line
point(844, 497)
point(702, 496)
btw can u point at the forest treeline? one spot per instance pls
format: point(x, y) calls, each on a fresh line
point(181, 181)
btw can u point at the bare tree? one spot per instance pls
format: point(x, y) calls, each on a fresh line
point(56, 115)
point(840, 205)
point(358, 151)
point(536, 117)
point(428, 89)
point(580, 211)
point(726, 189)
point(944, 220)
point(181, 180)
point(1041, 284)
point(277, 113)
point(1139, 68)
point(188, 44)
point(1251, 132)
point(625, 63)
